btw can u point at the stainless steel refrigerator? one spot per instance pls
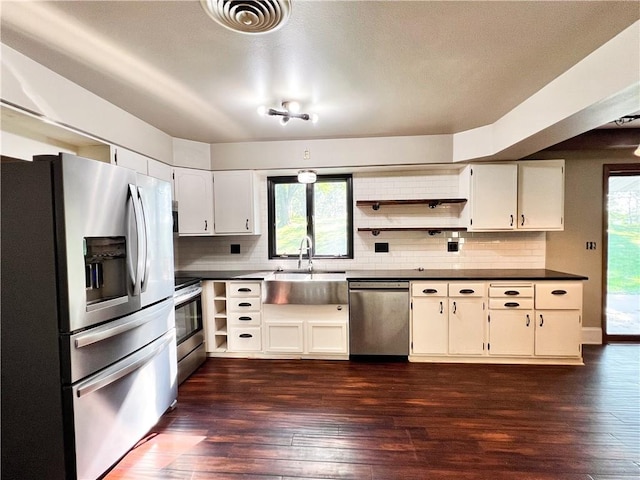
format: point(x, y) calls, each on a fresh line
point(88, 326)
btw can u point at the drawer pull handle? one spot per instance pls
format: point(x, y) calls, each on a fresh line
point(559, 292)
point(541, 320)
point(528, 320)
point(246, 335)
point(512, 292)
point(244, 304)
point(441, 308)
point(455, 307)
point(511, 304)
point(244, 289)
point(467, 291)
point(429, 290)
point(245, 319)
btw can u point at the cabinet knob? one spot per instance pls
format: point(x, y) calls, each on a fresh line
point(245, 319)
point(559, 292)
point(522, 222)
point(429, 290)
point(541, 320)
point(467, 291)
point(528, 320)
point(246, 335)
point(244, 304)
point(454, 307)
point(244, 289)
point(441, 308)
point(246, 224)
point(511, 304)
point(512, 292)
point(511, 220)
point(205, 224)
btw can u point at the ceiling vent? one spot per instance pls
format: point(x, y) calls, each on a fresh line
point(249, 16)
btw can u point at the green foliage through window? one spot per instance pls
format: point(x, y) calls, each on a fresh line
point(321, 210)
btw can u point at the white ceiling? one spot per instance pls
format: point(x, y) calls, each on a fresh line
point(368, 68)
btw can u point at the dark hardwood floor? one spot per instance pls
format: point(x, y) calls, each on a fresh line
point(276, 419)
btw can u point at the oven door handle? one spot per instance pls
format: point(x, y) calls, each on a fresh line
point(185, 297)
point(91, 338)
point(123, 372)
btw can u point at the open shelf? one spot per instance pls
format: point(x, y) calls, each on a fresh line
point(431, 202)
point(431, 230)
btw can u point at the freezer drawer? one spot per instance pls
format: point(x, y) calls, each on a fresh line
point(115, 408)
point(92, 350)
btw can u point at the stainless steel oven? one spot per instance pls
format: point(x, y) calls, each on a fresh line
point(189, 331)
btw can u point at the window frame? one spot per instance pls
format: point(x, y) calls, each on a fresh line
point(309, 190)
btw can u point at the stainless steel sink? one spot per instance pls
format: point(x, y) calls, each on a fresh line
point(305, 288)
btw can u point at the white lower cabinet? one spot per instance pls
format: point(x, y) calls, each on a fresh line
point(244, 317)
point(526, 322)
point(311, 331)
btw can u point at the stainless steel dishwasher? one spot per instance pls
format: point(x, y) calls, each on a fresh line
point(379, 318)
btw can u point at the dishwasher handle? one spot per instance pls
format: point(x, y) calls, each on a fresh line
point(379, 286)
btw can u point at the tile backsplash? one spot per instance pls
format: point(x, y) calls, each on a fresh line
point(407, 250)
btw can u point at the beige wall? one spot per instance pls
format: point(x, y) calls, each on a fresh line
point(566, 251)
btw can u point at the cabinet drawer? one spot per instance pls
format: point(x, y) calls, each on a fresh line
point(244, 289)
point(511, 303)
point(245, 319)
point(244, 339)
point(435, 289)
point(243, 304)
point(559, 295)
point(467, 289)
point(511, 291)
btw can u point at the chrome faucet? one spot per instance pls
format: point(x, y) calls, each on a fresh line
point(308, 248)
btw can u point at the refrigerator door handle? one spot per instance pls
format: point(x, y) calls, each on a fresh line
point(102, 382)
point(147, 235)
point(92, 338)
point(137, 212)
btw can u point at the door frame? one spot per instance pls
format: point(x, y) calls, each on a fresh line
point(610, 170)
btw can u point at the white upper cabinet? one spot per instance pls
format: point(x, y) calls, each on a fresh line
point(235, 203)
point(128, 159)
point(159, 170)
point(541, 195)
point(517, 196)
point(194, 193)
point(493, 197)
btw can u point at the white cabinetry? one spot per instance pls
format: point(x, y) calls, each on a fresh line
point(466, 318)
point(558, 319)
point(159, 170)
point(235, 203)
point(517, 196)
point(511, 319)
point(541, 195)
point(448, 318)
point(429, 318)
point(493, 197)
point(244, 316)
point(310, 331)
point(214, 310)
point(194, 193)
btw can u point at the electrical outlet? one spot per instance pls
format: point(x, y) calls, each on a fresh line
point(381, 247)
point(235, 248)
point(452, 246)
point(591, 245)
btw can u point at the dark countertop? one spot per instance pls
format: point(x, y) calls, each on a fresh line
point(427, 274)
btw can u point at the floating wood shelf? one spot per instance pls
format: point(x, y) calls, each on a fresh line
point(431, 202)
point(431, 230)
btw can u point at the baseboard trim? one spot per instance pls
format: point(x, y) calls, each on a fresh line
point(591, 336)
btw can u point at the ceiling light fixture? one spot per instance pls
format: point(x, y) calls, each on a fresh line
point(626, 119)
point(307, 176)
point(289, 110)
point(249, 16)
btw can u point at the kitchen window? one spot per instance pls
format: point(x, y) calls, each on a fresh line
point(322, 210)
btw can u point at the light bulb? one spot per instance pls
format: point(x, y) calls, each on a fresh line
point(284, 120)
point(262, 110)
point(293, 107)
point(314, 118)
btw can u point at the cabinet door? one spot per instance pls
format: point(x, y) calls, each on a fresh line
point(430, 326)
point(466, 326)
point(284, 336)
point(234, 203)
point(194, 193)
point(558, 333)
point(493, 197)
point(326, 337)
point(511, 332)
point(541, 195)
point(159, 170)
point(128, 159)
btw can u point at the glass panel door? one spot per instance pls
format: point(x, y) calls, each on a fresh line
point(622, 267)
